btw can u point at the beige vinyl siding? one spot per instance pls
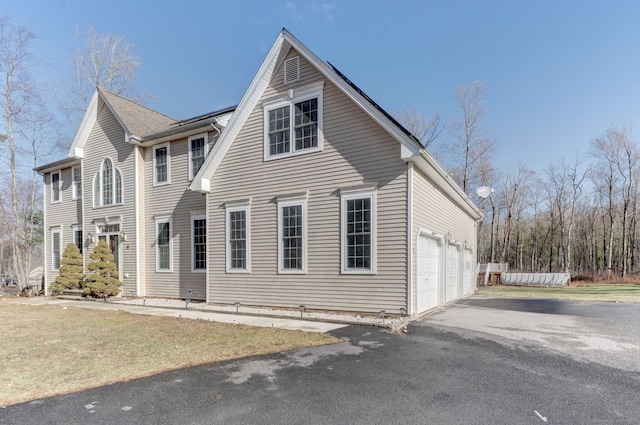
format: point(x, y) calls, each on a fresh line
point(356, 151)
point(107, 140)
point(63, 215)
point(176, 201)
point(435, 212)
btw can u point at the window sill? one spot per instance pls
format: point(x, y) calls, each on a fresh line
point(292, 271)
point(358, 271)
point(290, 154)
point(236, 271)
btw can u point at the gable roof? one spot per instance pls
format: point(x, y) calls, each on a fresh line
point(411, 149)
point(136, 120)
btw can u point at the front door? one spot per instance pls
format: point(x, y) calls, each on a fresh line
point(110, 233)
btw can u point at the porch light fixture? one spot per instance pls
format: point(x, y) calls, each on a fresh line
point(90, 238)
point(123, 236)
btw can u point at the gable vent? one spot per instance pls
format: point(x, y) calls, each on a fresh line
point(292, 70)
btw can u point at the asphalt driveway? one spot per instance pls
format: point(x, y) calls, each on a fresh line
point(480, 361)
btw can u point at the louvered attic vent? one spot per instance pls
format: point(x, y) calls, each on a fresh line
point(292, 70)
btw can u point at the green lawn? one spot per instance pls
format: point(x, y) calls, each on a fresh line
point(623, 293)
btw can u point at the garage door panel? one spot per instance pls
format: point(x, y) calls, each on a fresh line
point(428, 271)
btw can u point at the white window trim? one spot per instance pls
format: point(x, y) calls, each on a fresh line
point(206, 151)
point(155, 174)
point(97, 180)
point(292, 97)
point(159, 220)
point(59, 200)
point(232, 207)
point(57, 230)
point(75, 193)
point(348, 194)
point(288, 201)
point(193, 250)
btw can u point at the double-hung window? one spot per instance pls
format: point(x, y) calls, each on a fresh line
point(163, 244)
point(161, 166)
point(292, 234)
point(238, 237)
point(76, 183)
point(56, 182)
point(199, 242)
point(56, 248)
point(293, 125)
point(358, 230)
point(198, 147)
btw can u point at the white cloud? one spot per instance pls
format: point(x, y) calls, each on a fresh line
point(324, 9)
point(293, 8)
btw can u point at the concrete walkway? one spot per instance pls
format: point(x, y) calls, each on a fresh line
point(189, 313)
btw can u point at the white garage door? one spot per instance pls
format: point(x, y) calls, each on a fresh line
point(428, 259)
point(451, 291)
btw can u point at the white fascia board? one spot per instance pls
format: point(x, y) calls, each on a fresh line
point(248, 102)
point(201, 184)
point(82, 134)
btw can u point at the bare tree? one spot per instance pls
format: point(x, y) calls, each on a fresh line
point(619, 157)
point(513, 194)
point(103, 60)
point(472, 147)
point(16, 93)
point(425, 128)
point(565, 188)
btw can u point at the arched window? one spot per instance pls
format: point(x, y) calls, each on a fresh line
point(107, 185)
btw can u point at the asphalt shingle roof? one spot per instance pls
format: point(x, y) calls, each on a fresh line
point(138, 119)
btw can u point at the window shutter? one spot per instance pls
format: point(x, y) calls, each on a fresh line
point(292, 70)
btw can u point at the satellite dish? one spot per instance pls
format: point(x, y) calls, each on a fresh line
point(484, 191)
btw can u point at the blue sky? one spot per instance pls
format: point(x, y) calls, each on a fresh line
point(558, 73)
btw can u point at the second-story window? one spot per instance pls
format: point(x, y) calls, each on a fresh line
point(161, 166)
point(293, 123)
point(56, 182)
point(197, 153)
point(107, 185)
point(76, 183)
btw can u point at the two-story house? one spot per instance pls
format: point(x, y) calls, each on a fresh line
point(307, 193)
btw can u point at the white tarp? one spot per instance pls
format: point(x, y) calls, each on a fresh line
point(543, 279)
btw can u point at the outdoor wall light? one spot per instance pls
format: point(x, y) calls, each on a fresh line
point(403, 311)
point(123, 236)
point(90, 238)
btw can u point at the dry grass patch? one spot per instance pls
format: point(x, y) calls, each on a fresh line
point(582, 292)
point(47, 350)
